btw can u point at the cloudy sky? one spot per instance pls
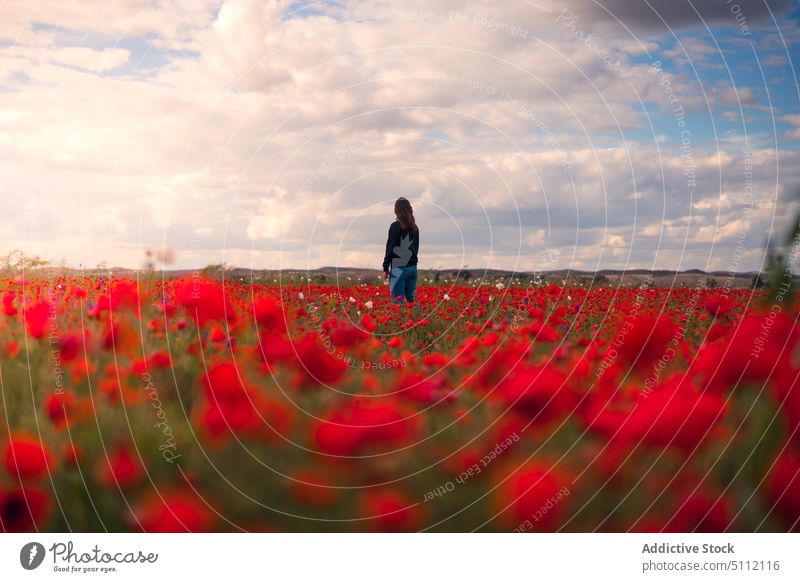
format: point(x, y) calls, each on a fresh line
point(530, 135)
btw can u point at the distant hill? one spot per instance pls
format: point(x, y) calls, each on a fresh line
point(350, 275)
point(659, 278)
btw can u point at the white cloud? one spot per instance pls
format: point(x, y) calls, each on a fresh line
point(88, 59)
point(255, 131)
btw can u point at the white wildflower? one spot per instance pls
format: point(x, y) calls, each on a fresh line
point(368, 305)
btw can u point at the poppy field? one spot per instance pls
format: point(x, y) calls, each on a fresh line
point(192, 403)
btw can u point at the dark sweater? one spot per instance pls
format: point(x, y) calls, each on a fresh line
point(401, 248)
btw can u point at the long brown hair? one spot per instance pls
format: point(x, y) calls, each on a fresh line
point(405, 215)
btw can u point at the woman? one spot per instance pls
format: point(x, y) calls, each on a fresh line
point(401, 253)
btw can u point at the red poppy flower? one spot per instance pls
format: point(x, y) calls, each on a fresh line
point(435, 360)
point(122, 468)
point(8, 304)
point(542, 333)
point(347, 430)
point(69, 346)
point(642, 340)
point(36, 319)
point(343, 335)
point(26, 457)
point(757, 348)
point(268, 314)
point(273, 348)
point(61, 408)
point(23, 510)
point(674, 414)
point(315, 364)
point(232, 405)
point(718, 305)
point(217, 335)
point(222, 384)
point(160, 359)
point(122, 295)
point(174, 512)
point(504, 362)
point(531, 494)
point(205, 300)
point(390, 511)
point(368, 324)
point(12, 349)
point(121, 337)
point(540, 392)
point(425, 389)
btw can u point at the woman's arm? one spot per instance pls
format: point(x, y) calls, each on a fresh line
point(392, 240)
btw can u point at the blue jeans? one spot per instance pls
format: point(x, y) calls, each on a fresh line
point(403, 283)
